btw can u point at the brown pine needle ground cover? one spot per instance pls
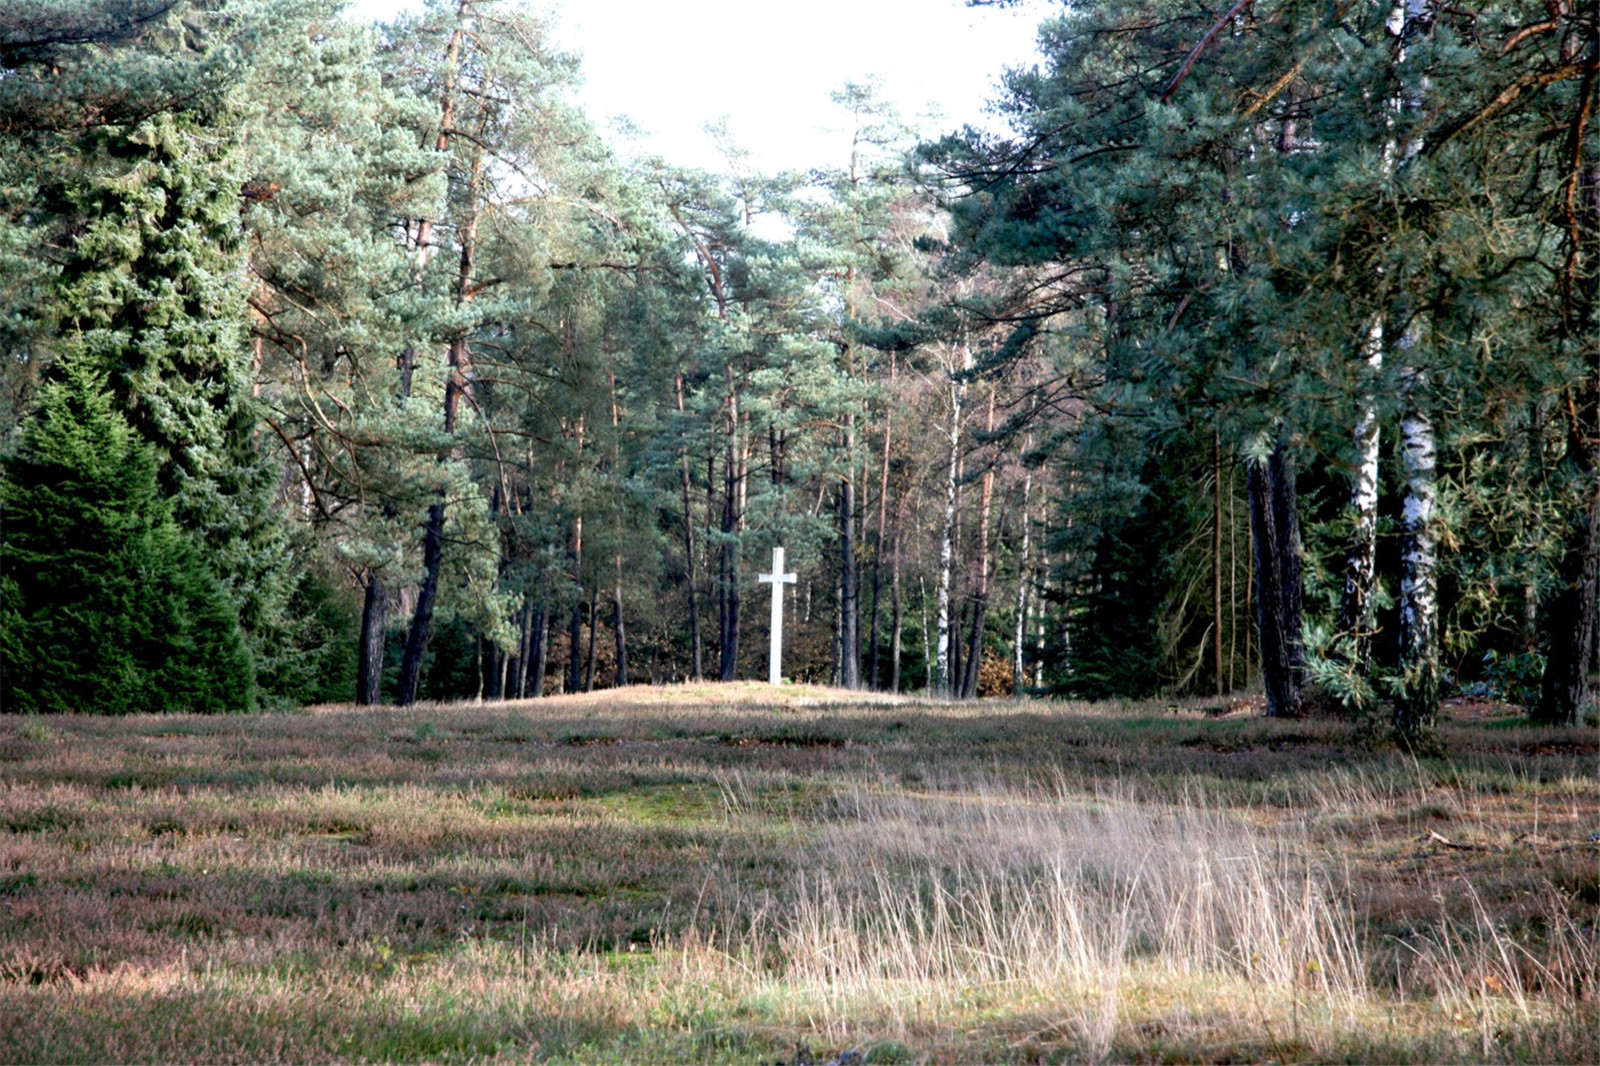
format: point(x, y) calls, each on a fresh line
point(728, 873)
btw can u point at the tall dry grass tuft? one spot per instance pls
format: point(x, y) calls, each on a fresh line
point(916, 901)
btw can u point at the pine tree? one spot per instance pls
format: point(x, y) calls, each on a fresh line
point(105, 605)
point(151, 291)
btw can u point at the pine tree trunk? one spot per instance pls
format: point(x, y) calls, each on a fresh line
point(897, 621)
point(539, 651)
point(1275, 526)
point(1216, 561)
point(696, 652)
point(728, 588)
point(493, 684)
point(574, 679)
point(457, 384)
point(619, 627)
point(369, 666)
point(422, 616)
point(517, 683)
point(594, 626)
point(1570, 623)
point(879, 548)
point(1019, 670)
point(849, 594)
point(980, 603)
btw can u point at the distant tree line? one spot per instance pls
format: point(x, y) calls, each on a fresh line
point(347, 362)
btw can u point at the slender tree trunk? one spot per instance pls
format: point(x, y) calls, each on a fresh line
point(897, 621)
point(927, 652)
point(691, 572)
point(574, 681)
point(849, 592)
point(1216, 560)
point(1249, 591)
point(1357, 610)
point(369, 665)
point(518, 682)
point(958, 393)
point(539, 651)
point(958, 626)
point(728, 591)
point(492, 684)
point(1275, 525)
point(980, 602)
point(1019, 670)
point(1417, 699)
point(619, 627)
point(880, 547)
point(594, 627)
point(1233, 585)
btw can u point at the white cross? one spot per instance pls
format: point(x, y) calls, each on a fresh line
point(777, 579)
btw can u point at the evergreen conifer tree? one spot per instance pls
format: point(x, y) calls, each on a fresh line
point(105, 604)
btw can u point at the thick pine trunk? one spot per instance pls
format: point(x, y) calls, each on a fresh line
point(433, 535)
point(1570, 616)
point(1275, 528)
point(493, 682)
point(456, 386)
point(539, 652)
point(1570, 624)
point(422, 617)
point(369, 665)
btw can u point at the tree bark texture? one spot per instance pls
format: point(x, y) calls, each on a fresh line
point(1417, 699)
point(1357, 610)
point(1570, 623)
point(369, 667)
point(1275, 528)
point(849, 591)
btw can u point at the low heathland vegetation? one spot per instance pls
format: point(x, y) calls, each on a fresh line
point(728, 873)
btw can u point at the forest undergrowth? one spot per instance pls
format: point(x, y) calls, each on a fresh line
point(732, 873)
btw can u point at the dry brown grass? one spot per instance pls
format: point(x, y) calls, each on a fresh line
point(728, 873)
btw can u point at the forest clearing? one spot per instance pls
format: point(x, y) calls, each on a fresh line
point(736, 873)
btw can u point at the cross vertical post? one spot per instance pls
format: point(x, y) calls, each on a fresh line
point(777, 579)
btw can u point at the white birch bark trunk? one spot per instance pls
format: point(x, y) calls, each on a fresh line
point(958, 395)
point(1361, 563)
point(1418, 699)
point(1018, 666)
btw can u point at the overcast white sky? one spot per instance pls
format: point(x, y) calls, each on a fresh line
point(768, 66)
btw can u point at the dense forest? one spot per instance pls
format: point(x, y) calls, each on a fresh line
point(349, 362)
